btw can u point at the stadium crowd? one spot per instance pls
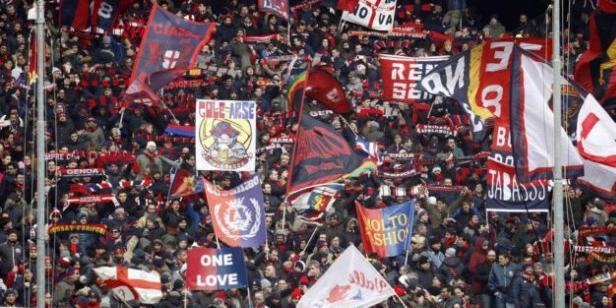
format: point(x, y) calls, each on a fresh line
point(461, 255)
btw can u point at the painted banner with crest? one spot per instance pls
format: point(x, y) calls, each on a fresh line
point(226, 135)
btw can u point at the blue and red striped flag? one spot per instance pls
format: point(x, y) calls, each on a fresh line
point(386, 231)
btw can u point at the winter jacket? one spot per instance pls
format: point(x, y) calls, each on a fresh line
point(525, 293)
point(501, 278)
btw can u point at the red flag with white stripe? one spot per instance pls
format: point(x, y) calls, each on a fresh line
point(132, 284)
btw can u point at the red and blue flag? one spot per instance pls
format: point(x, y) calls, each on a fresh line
point(386, 231)
point(238, 215)
point(169, 47)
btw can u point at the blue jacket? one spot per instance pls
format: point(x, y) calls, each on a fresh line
point(501, 278)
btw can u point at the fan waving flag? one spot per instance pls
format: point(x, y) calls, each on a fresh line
point(238, 215)
point(314, 204)
point(169, 47)
point(321, 155)
point(132, 284)
point(351, 281)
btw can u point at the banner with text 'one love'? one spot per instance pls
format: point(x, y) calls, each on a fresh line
point(351, 281)
point(225, 135)
point(215, 269)
point(401, 75)
point(386, 231)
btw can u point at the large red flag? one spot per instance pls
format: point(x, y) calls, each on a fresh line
point(595, 69)
point(320, 85)
point(169, 47)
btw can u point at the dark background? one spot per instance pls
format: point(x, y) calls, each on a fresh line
point(509, 11)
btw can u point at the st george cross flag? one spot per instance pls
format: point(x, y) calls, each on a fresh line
point(351, 281)
point(374, 14)
point(169, 47)
point(596, 143)
point(132, 284)
point(386, 231)
point(238, 215)
point(401, 76)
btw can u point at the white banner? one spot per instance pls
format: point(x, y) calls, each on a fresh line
point(350, 282)
point(225, 135)
point(374, 14)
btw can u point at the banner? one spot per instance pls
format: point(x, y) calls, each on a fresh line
point(226, 135)
point(507, 194)
point(374, 14)
point(238, 215)
point(279, 8)
point(213, 269)
point(132, 284)
point(169, 47)
point(386, 231)
point(321, 86)
point(99, 229)
point(351, 281)
point(480, 79)
point(400, 76)
point(321, 155)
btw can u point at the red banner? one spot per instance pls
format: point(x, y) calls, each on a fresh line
point(401, 75)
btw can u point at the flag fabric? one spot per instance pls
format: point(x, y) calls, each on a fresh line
point(32, 63)
point(132, 284)
point(297, 84)
point(320, 85)
point(386, 231)
point(215, 269)
point(313, 204)
point(226, 135)
point(369, 147)
point(374, 14)
point(321, 155)
point(238, 215)
point(479, 80)
point(183, 183)
point(596, 143)
point(169, 47)
point(400, 76)
point(75, 14)
point(347, 5)
point(351, 281)
point(180, 130)
point(279, 8)
point(532, 121)
point(595, 68)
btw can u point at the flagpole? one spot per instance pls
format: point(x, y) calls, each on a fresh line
point(40, 155)
point(557, 194)
point(249, 297)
